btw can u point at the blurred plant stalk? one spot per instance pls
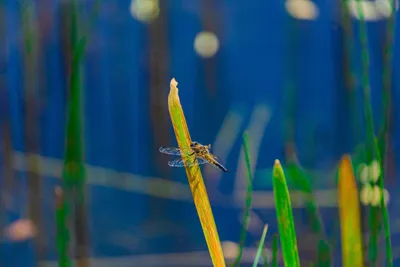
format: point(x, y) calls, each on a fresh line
point(31, 54)
point(378, 215)
point(301, 180)
point(349, 212)
point(249, 192)
point(74, 174)
point(63, 233)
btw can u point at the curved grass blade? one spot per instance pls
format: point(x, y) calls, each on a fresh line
point(349, 212)
point(195, 178)
point(284, 215)
point(246, 216)
point(324, 254)
point(260, 246)
point(300, 179)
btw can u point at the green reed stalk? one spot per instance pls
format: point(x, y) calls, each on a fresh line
point(387, 79)
point(372, 145)
point(285, 220)
point(246, 216)
point(265, 258)
point(260, 246)
point(300, 179)
point(384, 211)
point(63, 233)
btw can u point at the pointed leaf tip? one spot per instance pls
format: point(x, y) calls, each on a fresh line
point(173, 82)
point(277, 170)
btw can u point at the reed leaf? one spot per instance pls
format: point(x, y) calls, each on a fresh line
point(349, 212)
point(195, 178)
point(246, 215)
point(283, 206)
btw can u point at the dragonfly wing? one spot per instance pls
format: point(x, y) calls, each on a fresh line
point(170, 150)
point(201, 160)
point(175, 151)
point(181, 162)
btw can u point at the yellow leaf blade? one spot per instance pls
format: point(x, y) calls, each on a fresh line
point(349, 211)
point(195, 178)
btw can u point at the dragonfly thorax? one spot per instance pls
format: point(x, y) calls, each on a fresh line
point(199, 148)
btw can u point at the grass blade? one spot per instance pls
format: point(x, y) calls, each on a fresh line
point(324, 254)
point(260, 246)
point(384, 211)
point(246, 216)
point(349, 212)
point(372, 145)
point(301, 180)
point(63, 232)
point(195, 178)
point(374, 219)
point(284, 215)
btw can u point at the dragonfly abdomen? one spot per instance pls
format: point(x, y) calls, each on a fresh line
point(216, 164)
point(220, 166)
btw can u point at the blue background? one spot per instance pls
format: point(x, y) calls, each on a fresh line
point(254, 65)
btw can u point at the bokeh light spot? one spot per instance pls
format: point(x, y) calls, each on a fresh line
point(302, 9)
point(145, 10)
point(206, 44)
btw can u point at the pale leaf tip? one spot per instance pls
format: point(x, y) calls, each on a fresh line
point(173, 83)
point(173, 87)
point(277, 163)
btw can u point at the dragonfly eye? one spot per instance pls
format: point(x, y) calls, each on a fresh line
point(194, 144)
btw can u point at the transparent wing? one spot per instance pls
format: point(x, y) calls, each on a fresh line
point(174, 151)
point(177, 163)
point(170, 150)
point(201, 161)
point(181, 162)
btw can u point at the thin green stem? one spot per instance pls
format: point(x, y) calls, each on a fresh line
point(63, 232)
point(372, 145)
point(246, 216)
point(384, 212)
point(260, 246)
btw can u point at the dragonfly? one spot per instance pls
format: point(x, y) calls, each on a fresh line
point(202, 152)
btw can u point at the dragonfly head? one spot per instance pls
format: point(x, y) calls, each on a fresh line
point(194, 144)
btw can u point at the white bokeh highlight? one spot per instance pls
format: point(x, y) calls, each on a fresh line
point(206, 44)
point(230, 249)
point(302, 9)
point(372, 10)
point(145, 10)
